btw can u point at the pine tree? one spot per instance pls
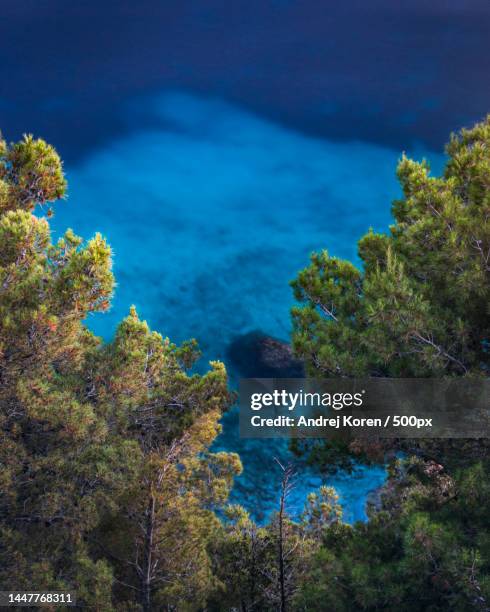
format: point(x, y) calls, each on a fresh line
point(420, 304)
point(108, 484)
point(57, 467)
point(158, 537)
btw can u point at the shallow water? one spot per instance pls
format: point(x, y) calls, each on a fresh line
point(258, 487)
point(210, 214)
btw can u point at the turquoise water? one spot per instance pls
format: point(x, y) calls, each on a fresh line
point(210, 213)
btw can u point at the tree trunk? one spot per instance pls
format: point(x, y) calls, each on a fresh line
point(146, 575)
point(281, 549)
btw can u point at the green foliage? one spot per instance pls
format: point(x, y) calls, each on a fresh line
point(431, 554)
point(322, 509)
point(108, 484)
point(247, 557)
point(30, 174)
point(243, 554)
point(420, 305)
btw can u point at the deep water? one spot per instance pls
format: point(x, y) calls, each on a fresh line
point(382, 71)
point(210, 213)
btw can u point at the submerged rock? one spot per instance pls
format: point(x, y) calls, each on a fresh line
point(256, 355)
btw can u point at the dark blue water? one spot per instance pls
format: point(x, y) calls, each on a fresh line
point(217, 144)
point(388, 72)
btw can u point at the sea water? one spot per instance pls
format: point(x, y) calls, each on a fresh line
point(210, 212)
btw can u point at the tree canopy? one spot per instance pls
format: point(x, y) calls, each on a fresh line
point(420, 303)
point(419, 306)
point(108, 484)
